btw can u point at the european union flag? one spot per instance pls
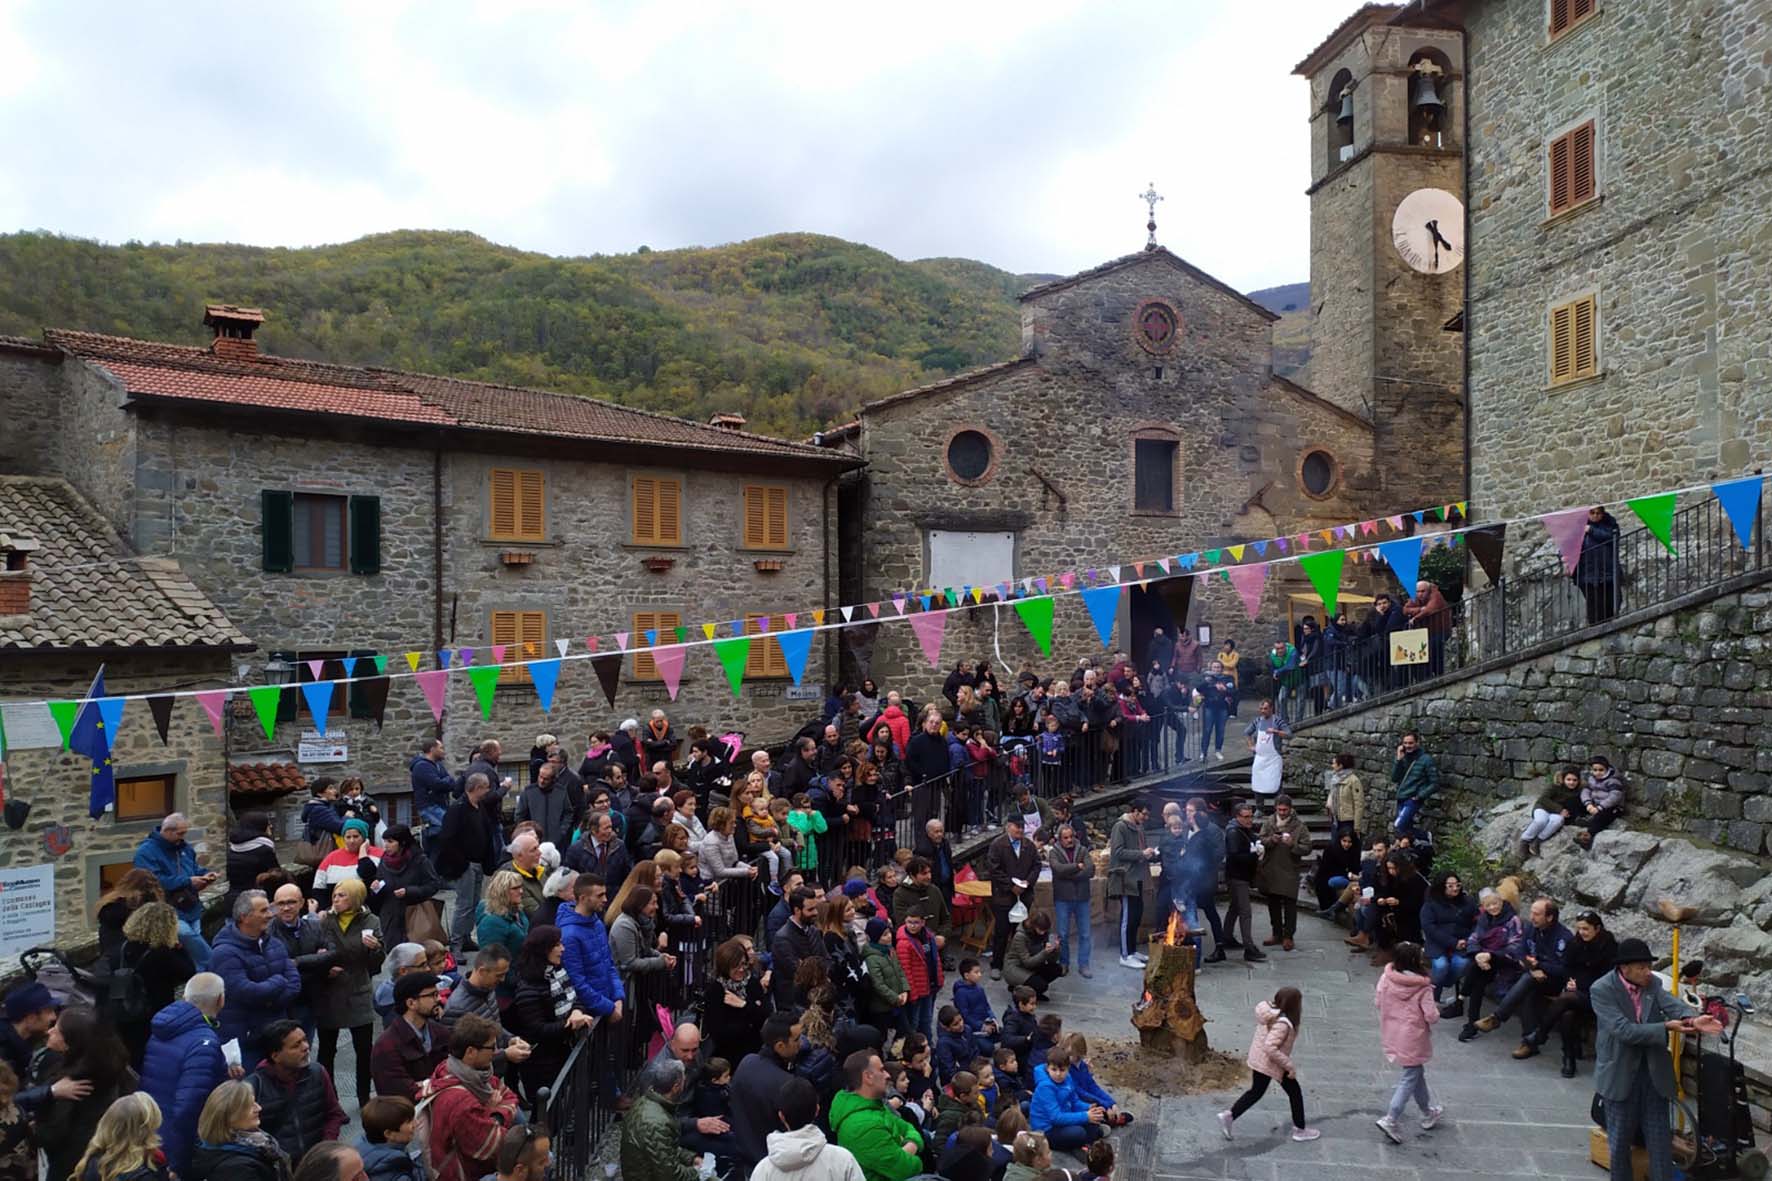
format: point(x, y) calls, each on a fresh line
point(88, 738)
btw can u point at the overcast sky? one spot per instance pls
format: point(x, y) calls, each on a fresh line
point(1019, 134)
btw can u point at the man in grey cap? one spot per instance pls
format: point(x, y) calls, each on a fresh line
point(1633, 1070)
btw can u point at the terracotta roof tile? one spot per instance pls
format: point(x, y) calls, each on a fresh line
point(90, 591)
point(265, 778)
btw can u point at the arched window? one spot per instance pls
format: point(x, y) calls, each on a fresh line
point(1339, 106)
point(1430, 99)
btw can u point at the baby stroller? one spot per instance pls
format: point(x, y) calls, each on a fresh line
point(66, 983)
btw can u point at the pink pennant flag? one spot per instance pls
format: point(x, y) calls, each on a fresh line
point(317, 667)
point(928, 626)
point(434, 682)
point(1395, 522)
point(1340, 532)
point(1138, 569)
point(670, 666)
point(1368, 528)
point(874, 610)
point(498, 653)
point(1163, 565)
point(591, 643)
point(1068, 579)
point(1248, 580)
point(213, 702)
point(621, 641)
point(898, 603)
point(1302, 541)
point(1567, 529)
point(791, 617)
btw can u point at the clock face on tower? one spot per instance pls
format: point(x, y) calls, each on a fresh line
point(1428, 231)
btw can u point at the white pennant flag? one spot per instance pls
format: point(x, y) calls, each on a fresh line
point(561, 646)
point(848, 613)
point(1114, 573)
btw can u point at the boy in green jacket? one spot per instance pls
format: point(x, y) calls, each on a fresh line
point(808, 822)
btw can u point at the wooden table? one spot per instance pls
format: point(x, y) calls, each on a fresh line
point(977, 934)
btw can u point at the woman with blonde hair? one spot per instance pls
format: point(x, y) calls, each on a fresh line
point(133, 890)
point(18, 1151)
point(644, 873)
point(718, 852)
point(151, 949)
point(346, 997)
point(1031, 1156)
point(500, 917)
point(126, 1144)
point(231, 1144)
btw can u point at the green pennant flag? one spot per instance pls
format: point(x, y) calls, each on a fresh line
point(733, 654)
point(1037, 615)
point(1211, 556)
point(1436, 514)
point(264, 700)
point(64, 713)
point(1657, 513)
point(1324, 571)
point(682, 634)
point(953, 599)
point(2, 738)
point(485, 679)
point(381, 663)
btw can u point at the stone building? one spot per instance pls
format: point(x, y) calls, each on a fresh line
point(1142, 419)
point(335, 512)
point(1620, 194)
point(73, 596)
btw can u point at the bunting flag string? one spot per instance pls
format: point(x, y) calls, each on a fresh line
point(1657, 515)
point(434, 683)
point(1567, 528)
point(1324, 571)
point(161, 708)
point(265, 699)
point(928, 627)
point(669, 660)
point(544, 675)
point(796, 646)
point(1403, 556)
point(1741, 502)
point(213, 701)
point(608, 669)
point(318, 695)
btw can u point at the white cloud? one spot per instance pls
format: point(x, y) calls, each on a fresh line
point(1015, 133)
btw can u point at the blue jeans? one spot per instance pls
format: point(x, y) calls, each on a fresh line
point(1406, 814)
point(1070, 911)
point(1212, 729)
point(1447, 970)
point(191, 935)
point(1413, 1085)
point(923, 1016)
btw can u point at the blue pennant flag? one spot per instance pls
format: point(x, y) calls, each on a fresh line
point(350, 663)
point(544, 674)
point(1104, 606)
point(651, 636)
point(1260, 548)
point(926, 600)
point(795, 647)
point(1420, 515)
point(88, 738)
point(443, 658)
point(110, 712)
point(319, 698)
point(737, 626)
point(1404, 558)
point(1187, 561)
point(1741, 502)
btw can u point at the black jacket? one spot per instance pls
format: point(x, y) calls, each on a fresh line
point(792, 944)
point(233, 1162)
point(298, 1112)
point(734, 1030)
point(309, 955)
point(755, 1095)
point(246, 860)
point(420, 882)
point(925, 758)
point(615, 867)
point(531, 1017)
point(1240, 857)
point(467, 839)
point(1003, 864)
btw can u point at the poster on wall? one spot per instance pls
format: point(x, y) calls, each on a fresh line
point(316, 747)
point(27, 909)
point(29, 725)
point(1409, 647)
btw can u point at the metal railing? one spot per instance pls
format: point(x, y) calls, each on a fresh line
point(1537, 603)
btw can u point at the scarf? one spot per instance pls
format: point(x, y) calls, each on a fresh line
point(658, 728)
point(263, 1143)
point(249, 846)
point(346, 919)
point(477, 1082)
point(560, 988)
point(397, 861)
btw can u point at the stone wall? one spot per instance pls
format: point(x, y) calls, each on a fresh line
point(1679, 702)
point(56, 784)
point(1678, 249)
point(32, 382)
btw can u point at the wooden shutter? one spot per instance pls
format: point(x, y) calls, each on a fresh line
point(1566, 14)
point(1562, 344)
point(524, 635)
point(1582, 327)
point(765, 658)
point(1559, 174)
point(1581, 164)
point(658, 513)
point(765, 517)
point(665, 624)
point(277, 522)
point(518, 505)
point(365, 535)
point(1574, 346)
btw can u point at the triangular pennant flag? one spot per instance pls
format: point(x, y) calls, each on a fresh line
point(978, 594)
point(464, 657)
point(64, 713)
point(1036, 614)
point(898, 603)
point(608, 668)
point(1138, 569)
point(1368, 528)
point(434, 683)
point(651, 636)
point(1103, 604)
point(1212, 557)
point(669, 660)
point(317, 668)
point(1068, 579)
point(1657, 513)
point(380, 662)
point(1114, 573)
point(264, 701)
point(1187, 561)
point(562, 646)
point(318, 695)
point(818, 618)
point(874, 610)
point(682, 633)
point(485, 681)
point(621, 640)
point(1236, 552)
point(1404, 558)
point(1395, 522)
point(1741, 504)
point(443, 658)
point(1486, 546)
point(1281, 542)
point(1567, 529)
point(925, 600)
point(1328, 536)
point(1437, 513)
point(1463, 508)
point(952, 599)
point(498, 653)
point(350, 665)
point(707, 630)
point(412, 659)
point(848, 613)
point(213, 702)
point(733, 654)
point(790, 619)
point(1249, 580)
point(796, 646)
point(1043, 585)
point(1163, 565)
point(928, 628)
point(1419, 516)
point(161, 708)
point(1260, 548)
point(375, 698)
point(110, 712)
point(544, 675)
point(1324, 571)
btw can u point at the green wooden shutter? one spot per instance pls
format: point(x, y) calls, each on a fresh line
point(291, 694)
point(365, 535)
point(277, 510)
point(360, 683)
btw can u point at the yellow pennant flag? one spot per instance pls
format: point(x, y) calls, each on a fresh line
point(707, 629)
point(412, 659)
point(1236, 551)
point(978, 594)
point(818, 618)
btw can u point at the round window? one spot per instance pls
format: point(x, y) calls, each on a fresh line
point(1317, 473)
point(969, 455)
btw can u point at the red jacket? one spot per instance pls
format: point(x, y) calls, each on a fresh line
point(465, 1132)
point(896, 725)
point(915, 963)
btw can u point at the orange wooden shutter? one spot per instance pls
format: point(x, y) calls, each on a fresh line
point(777, 518)
point(645, 511)
point(529, 505)
point(665, 624)
point(517, 504)
point(1562, 344)
point(1559, 174)
point(524, 635)
point(1581, 164)
point(504, 502)
point(765, 658)
point(658, 512)
point(756, 524)
point(1582, 336)
point(670, 517)
point(1559, 16)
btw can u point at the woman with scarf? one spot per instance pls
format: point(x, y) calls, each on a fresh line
point(346, 996)
point(1596, 571)
point(231, 1146)
point(546, 1012)
point(251, 852)
point(404, 879)
point(347, 862)
point(1344, 793)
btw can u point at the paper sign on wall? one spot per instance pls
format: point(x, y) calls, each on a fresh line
point(29, 725)
point(316, 747)
point(27, 908)
point(1409, 647)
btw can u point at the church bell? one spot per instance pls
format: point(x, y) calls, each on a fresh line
point(1345, 114)
point(1426, 94)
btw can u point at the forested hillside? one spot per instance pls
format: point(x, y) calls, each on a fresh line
point(793, 330)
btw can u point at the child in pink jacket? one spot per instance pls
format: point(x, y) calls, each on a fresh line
point(1406, 1016)
point(1270, 1059)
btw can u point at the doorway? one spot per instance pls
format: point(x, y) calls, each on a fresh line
point(1161, 604)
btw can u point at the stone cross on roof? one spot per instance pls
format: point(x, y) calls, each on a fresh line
point(1150, 197)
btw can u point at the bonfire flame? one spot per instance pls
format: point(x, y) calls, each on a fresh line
point(1177, 930)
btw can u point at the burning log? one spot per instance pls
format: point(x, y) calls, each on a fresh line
point(1167, 1017)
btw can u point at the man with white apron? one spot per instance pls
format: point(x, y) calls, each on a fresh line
point(1265, 735)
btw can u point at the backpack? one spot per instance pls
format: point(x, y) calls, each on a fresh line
point(419, 1147)
point(123, 993)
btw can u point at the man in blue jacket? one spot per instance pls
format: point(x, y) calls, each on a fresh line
point(262, 982)
point(174, 865)
point(184, 1062)
point(1547, 944)
point(432, 789)
point(585, 950)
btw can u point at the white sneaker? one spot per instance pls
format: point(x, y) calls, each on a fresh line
point(1303, 1134)
point(1432, 1117)
point(1225, 1120)
point(1388, 1126)
point(1142, 958)
point(1129, 961)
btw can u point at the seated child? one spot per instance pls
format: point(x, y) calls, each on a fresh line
point(1098, 1161)
point(1019, 1027)
point(919, 1066)
point(975, 1006)
point(953, 1047)
point(1046, 1034)
point(957, 1107)
point(1088, 1090)
point(898, 1094)
point(712, 1094)
point(388, 1123)
point(1062, 1114)
point(1007, 1071)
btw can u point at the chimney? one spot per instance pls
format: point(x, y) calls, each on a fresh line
point(15, 574)
point(727, 421)
point(233, 328)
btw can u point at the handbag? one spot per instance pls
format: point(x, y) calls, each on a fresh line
point(312, 853)
point(424, 922)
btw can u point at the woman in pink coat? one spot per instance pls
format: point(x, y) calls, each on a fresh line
point(1406, 1016)
point(1270, 1060)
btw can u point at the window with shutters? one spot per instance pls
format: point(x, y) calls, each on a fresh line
point(1574, 345)
point(1566, 14)
point(1573, 169)
point(665, 624)
point(765, 517)
point(524, 635)
point(146, 797)
point(765, 658)
point(314, 532)
point(517, 511)
point(658, 511)
point(319, 533)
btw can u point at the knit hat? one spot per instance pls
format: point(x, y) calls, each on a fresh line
point(361, 826)
point(34, 997)
point(877, 928)
point(854, 888)
point(1632, 951)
